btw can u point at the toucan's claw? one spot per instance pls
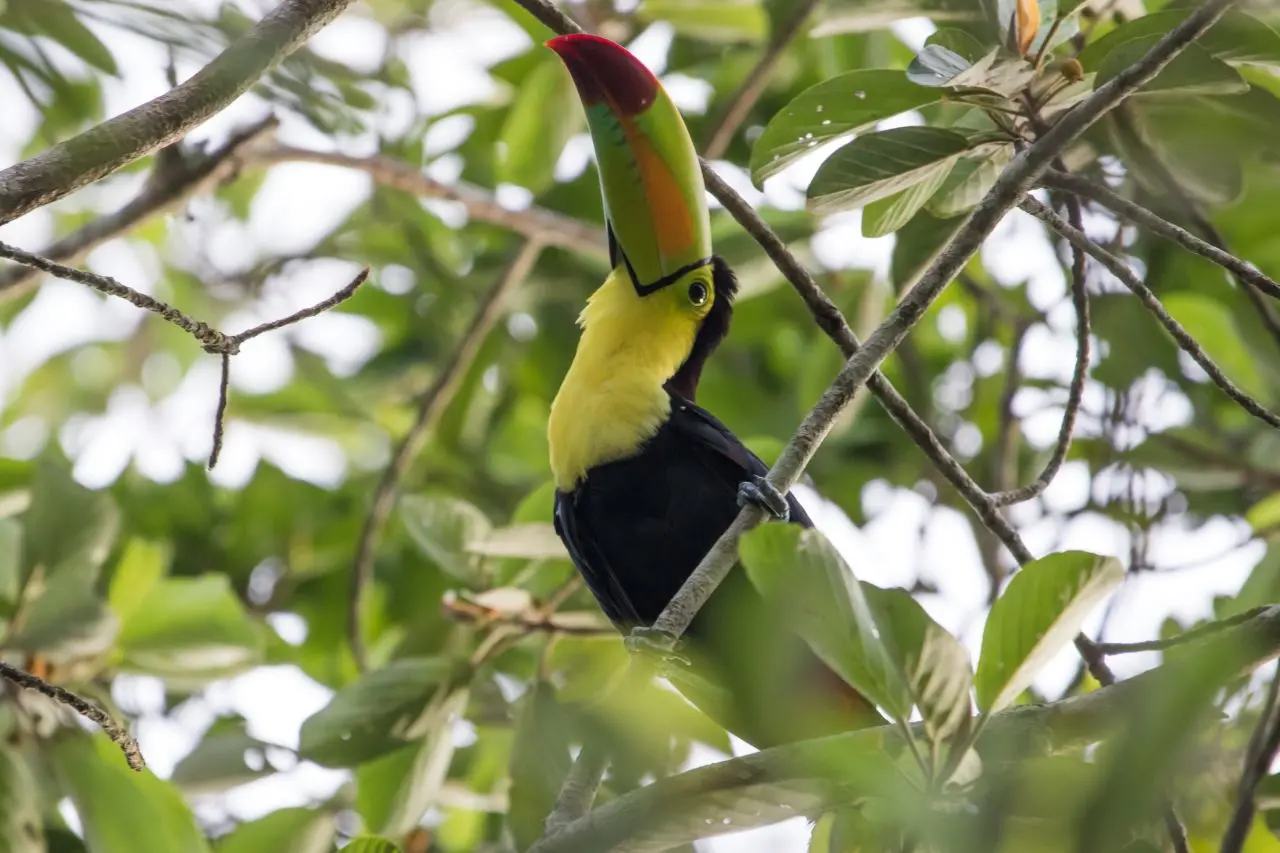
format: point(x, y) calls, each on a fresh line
point(659, 646)
point(762, 493)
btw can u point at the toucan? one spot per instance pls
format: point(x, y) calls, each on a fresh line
point(646, 480)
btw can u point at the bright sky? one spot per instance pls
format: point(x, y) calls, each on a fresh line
point(165, 421)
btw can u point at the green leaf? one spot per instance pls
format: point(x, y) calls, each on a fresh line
point(878, 165)
point(1236, 38)
point(844, 104)
point(220, 760)
point(443, 528)
point(114, 803)
point(933, 663)
point(1040, 611)
point(66, 525)
point(537, 541)
point(374, 715)
point(938, 65)
point(140, 568)
point(1265, 514)
point(10, 562)
point(1193, 71)
point(539, 763)
point(289, 830)
point(21, 829)
point(58, 22)
point(66, 619)
point(969, 182)
point(711, 20)
point(370, 844)
point(188, 630)
point(889, 214)
point(398, 789)
point(802, 572)
point(1210, 323)
point(542, 119)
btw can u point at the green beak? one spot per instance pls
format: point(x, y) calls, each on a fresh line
point(654, 197)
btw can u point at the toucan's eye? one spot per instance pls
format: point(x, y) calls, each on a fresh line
point(698, 293)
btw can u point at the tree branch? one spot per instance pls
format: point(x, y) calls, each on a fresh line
point(119, 734)
point(1080, 299)
point(1185, 341)
point(431, 406)
point(787, 781)
point(1263, 745)
point(212, 340)
point(549, 227)
point(753, 85)
point(191, 173)
point(115, 143)
point(1244, 272)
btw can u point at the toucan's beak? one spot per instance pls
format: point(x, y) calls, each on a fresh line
point(654, 196)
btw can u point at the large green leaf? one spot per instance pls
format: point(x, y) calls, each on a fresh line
point(66, 525)
point(889, 214)
point(844, 104)
point(713, 20)
point(1193, 71)
point(877, 165)
point(67, 618)
point(539, 763)
point(289, 830)
point(1040, 611)
point(10, 562)
point(1236, 38)
point(802, 572)
point(969, 181)
point(141, 566)
point(20, 822)
point(374, 715)
point(950, 59)
point(543, 118)
point(123, 811)
point(190, 629)
point(444, 529)
point(226, 756)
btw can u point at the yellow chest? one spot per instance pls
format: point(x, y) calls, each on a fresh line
point(612, 399)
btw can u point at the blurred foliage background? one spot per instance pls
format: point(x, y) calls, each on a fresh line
point(135, 576)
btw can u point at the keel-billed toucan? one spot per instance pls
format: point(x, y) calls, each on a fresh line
point(646, 481)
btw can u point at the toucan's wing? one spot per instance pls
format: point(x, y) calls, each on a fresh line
point(592, 563)
point(699, 426)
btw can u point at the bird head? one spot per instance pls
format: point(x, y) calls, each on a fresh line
point(654, 198)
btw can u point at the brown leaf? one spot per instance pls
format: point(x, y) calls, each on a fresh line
point(1028, 24)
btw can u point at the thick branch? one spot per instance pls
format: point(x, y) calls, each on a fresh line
point(789, 780)
point(174, 180)
point(753, 86)
point(117, 142)
point(1129, 278)
point(430, 407)
point(552, 229)
point(118, 734)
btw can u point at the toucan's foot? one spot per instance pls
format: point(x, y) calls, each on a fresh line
point(658, 645)
point(762, 493)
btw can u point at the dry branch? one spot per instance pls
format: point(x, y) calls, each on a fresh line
point(115, 143)
point(118, 734)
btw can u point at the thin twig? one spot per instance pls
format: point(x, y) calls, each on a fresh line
point(1080, 299)
point(1263, 745)
point(236, 340)
point(1185, 341)
point(90, 710)
point(210, 338)
point(553, 229)
point(1245, 272)
point(431, 405)
point(167, 187)
point(1183, 638)
point(115, 143)
point(753, 85)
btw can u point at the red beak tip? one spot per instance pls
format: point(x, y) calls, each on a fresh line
point(605, 70)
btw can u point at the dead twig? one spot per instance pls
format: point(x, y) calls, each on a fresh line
point(89, 710)
point(1263, 745)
